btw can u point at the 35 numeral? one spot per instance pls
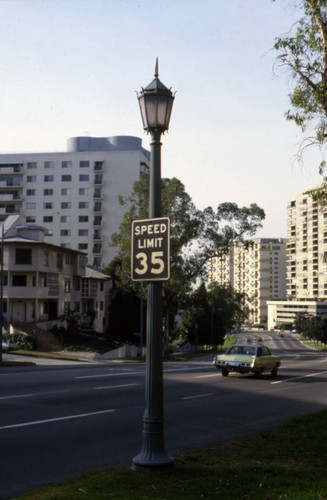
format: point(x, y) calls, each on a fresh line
point(157, 264)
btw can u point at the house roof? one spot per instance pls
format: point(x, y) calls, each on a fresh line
point(28, 241)
point(93, 273)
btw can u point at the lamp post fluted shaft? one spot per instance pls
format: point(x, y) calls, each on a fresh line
point(153, 455)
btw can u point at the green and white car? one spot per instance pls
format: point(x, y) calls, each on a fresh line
point(247, 358)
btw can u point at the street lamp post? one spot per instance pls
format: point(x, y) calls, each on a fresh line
point(156, 102)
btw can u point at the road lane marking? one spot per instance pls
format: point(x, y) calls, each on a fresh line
point(108, 375)
point(113, 387)
point(199, 396)
point(57, 419)
point(298, 378)
point(165, 370)
point(17, 396)
point(207, 376)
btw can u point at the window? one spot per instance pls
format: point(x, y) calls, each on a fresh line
point(47, 205)
point(66, 205)
point(66, 164)
point(31, 164)
point(83, 218)
point(66, 178)
point(47, 218)
point(77, 284)
point(82, 261)
point(98, 179)
point(97, 206)
point(84, 177)
point(98, 165)
point(65, 232)
point(49, 164)
point(101, 305)
point(65, 218)
point(46, 257)
point(19, 280)
point(59, 261)
point(83, 204)
point(98, 193)
point(97, 220)
point(83, 232)
point(23, 256)
point(48, 178)
point(48, 192)
point(84, 164)
point(48, 232)
point(77, 307)
point(82, 246)
point(31, 192)
point(31, 178)
point(67, 285)
point(84, 191)
point(30, 220)
point(30, 205)
point(66, 192)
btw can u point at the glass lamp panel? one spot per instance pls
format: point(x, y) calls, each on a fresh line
point(151, 108)
point(143, 111)
point(162, 111)
point(169, 108)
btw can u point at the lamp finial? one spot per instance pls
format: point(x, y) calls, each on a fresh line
point(156, 71)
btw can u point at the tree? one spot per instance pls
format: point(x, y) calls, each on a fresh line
point(196, 237)
point(304, 53)
point(211, 313)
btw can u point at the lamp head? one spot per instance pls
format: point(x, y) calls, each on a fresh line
point(156, 102)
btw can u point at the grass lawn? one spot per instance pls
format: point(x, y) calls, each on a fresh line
point(288, 462)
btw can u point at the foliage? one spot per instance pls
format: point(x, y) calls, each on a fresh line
point(287, 462)
point(196, 237)
point(303, 51)
point(24, 341)
point(212, 314)
point(70, 320)
point(312, 327)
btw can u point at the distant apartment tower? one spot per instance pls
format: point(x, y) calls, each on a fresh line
point(258, 270)
point(74, 194)
point(306, 248)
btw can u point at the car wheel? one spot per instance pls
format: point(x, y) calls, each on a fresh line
point(257, 373)
point(274, 371)
point(225, 373)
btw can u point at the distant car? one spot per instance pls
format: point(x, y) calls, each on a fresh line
point(247, 358)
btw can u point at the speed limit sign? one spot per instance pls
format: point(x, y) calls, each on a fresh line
point(150, 249)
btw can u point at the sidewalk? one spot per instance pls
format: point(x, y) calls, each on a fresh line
point(83, 358)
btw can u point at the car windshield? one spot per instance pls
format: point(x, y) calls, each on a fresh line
point(242, 349)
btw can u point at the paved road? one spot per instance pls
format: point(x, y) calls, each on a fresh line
point(58, 422)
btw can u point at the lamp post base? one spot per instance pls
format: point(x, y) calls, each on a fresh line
point(152, 456)
point(158, 463)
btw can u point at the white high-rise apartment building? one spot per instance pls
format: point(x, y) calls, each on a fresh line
point(258, 270)
point(306, 248)
point(74, 194)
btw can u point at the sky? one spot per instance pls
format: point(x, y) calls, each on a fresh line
point(72, 68)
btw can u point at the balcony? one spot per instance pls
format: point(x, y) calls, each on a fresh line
point(98, 180)
point(10, 182)
point(98, 195)
point(97, 235)
point(98, 166)
point(97, 249)
point(98, 222)
point(12, 169)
